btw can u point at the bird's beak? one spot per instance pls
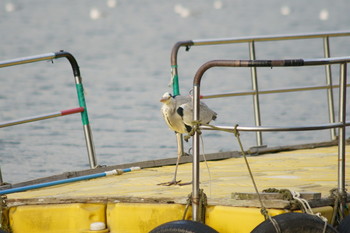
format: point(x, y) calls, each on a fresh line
point(163, 100)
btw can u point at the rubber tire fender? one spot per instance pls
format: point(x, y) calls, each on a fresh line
point(183, 226)
point(344, 226)
point(294, 222)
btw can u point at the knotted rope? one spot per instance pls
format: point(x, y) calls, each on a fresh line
point(202, 203)
point(308, 210)
point(195, 128)
point(290, 194)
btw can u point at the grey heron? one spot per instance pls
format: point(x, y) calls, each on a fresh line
point(178, 114)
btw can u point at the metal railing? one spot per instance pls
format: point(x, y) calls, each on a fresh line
point(340, 125)
point(80, 92)
point(255, 92)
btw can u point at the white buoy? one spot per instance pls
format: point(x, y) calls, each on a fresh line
point(95, 13)
point(111, 3)
point(10, 7)
point(324, 14)
point(285, 10)
point(218, 4)
point(182, 11)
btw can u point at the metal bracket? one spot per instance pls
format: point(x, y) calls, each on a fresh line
point(255, 150)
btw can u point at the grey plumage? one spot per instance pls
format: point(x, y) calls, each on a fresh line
point(178, 112)
point(186, 112)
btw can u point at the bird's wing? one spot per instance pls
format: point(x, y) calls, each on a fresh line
point(205, 115)
point(182, 100)
point(186, 113)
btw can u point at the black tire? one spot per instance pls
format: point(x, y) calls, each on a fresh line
point(344, 226)
point(294, 222)
point(183, 226)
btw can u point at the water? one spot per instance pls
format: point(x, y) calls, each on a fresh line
point(123, 50)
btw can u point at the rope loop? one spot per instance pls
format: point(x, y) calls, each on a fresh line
point(264, 212)
point(307, 209)
point(188, 203)
point(266, 215)
point(304, 203)
point(324, 219)
point(195, 128)
point(338, 215)
point(235, 131)
point(201, 202)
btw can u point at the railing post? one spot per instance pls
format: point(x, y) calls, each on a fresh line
point(85, 121)
point(255, 88)
point(330, 87)
point(80, 92)
point(82, 103)
point(342, 134)
point(195, 163)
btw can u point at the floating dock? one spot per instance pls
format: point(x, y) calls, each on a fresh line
point(134, 202)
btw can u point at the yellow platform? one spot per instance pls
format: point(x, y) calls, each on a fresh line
point(133, 202)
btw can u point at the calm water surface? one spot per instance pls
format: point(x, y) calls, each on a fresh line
point(123, 50)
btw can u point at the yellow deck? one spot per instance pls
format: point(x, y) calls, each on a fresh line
point(133, 202)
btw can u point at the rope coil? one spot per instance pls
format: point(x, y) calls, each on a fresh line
point(202, 203)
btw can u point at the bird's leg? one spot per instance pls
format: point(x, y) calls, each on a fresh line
point(174, 181)
point(180, 152)
point(180, 145)
point(190, 182)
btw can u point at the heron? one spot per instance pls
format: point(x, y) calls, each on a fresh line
point(178, 114)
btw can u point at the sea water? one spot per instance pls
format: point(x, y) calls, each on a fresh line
point(123, 49)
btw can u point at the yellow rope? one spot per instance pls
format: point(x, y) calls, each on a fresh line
point(263, 210)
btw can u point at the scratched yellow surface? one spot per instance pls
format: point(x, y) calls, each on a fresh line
point(37, 211)
point(310, 170)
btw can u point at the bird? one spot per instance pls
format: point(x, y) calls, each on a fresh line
point(177, 112)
